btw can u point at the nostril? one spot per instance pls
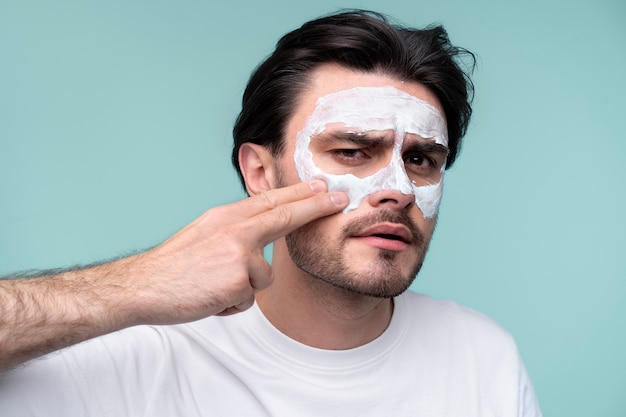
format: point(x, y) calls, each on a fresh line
point(391, 198)
point(405, 201)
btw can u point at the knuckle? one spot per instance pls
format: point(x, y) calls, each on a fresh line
point(302, 192)
point(234, 253)
point(267, 199)
point(246, 302)
point(231, 235)
point(216, 214)
point(282, 216)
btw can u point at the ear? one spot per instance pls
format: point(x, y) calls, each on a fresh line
point(257, 168)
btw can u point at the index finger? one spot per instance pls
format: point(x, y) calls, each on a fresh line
point(270, 225)
point(273, 198)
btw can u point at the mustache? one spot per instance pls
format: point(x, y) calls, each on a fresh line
point(357, 225)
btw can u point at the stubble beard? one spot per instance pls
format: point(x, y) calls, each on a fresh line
point(382, 277)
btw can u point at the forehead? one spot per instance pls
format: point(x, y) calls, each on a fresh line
point(331, 83)
point(377, 109)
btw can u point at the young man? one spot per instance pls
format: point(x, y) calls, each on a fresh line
point(374, 111)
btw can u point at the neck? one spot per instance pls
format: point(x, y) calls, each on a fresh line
point(319, 314)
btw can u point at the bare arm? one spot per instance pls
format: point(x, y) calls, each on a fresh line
point(41, 314)
point(212, 266)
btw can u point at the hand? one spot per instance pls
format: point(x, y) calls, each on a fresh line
point(212, 266)
point(215, 264)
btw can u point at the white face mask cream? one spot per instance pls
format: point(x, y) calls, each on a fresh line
point(360, 111)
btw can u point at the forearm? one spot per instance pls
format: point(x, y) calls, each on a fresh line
point(42, 314)
point(214, 265)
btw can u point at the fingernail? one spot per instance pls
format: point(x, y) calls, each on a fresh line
point(339, 199)
point(317, 186)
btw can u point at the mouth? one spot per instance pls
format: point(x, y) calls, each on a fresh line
point(388, 231)
point(391, 236)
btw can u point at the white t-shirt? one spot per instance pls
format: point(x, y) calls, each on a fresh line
point(436, 358)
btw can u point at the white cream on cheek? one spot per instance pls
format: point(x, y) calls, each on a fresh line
point(365, 109)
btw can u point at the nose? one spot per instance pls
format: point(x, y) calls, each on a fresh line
point(392, 199)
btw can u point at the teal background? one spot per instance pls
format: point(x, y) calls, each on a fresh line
point(115, 121)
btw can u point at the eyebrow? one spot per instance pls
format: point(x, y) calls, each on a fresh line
point(372, 141)
point(356, 138)
point(427, 147)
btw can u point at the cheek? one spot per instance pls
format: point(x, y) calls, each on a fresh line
point(427, 226)
point(323, 232)
point(285, 170)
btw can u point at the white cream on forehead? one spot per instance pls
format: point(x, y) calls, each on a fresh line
point(363, 109)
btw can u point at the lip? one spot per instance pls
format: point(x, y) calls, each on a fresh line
point(386, 236)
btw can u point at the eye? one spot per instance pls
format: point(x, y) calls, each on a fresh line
point(350, 155)
point(419, 163)
point(419, 160)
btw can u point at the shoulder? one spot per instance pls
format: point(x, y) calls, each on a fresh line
point(463, 349)
point(448, 321)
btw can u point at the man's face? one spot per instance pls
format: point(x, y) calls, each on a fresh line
point(384, 142)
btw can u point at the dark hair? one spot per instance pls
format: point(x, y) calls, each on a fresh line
point(360, 40)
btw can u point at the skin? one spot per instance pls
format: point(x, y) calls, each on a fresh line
point(304, 307)
point(213, 266)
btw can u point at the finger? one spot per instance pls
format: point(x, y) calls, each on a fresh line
point(271, 225)
point(260, 203)
point(260, 276)
point(259, 272)
point(243, 306)
point(273, 198)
